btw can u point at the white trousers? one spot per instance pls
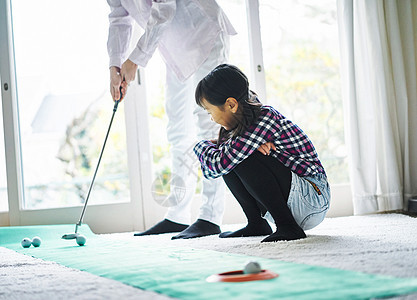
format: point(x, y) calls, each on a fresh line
point(187, 124)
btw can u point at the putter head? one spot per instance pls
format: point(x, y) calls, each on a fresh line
point(70, 236)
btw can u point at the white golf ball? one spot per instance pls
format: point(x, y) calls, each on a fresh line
point(26, 242)
point(36, 241)
point(81, 240)
point(252, 267)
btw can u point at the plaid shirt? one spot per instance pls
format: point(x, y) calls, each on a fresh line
point(294, 148)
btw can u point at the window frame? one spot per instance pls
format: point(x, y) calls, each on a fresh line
point(125, 216)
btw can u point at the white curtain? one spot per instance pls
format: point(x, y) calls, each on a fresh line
point(378, 42)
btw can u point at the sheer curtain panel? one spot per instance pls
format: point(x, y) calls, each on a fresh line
point(379, 86)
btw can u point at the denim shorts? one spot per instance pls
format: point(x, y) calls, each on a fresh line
point(308, 201)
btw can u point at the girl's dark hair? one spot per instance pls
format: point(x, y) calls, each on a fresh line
point(227, 81)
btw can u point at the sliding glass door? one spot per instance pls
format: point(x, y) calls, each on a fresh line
point(63, 109)
point(64, 105)
point(57, 106)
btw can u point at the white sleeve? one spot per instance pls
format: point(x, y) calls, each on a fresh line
point(162, 13)
point(120, 31)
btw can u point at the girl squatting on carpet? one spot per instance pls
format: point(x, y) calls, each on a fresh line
point(267, 161)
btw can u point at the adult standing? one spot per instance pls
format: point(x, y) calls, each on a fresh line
point(192, 37)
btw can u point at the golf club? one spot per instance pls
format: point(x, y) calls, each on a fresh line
point(71, 236)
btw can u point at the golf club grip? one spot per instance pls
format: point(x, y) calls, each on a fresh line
point(99, 160)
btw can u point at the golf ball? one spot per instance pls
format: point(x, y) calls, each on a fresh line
point(36, 241)
point(26, 242)
point(252, 267)
point(81, 240)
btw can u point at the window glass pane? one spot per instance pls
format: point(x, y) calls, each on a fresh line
point(161, 160)
point(300, 47)
point(155, 81)
point(239, 44)
point(64, 104)
point(4, 204)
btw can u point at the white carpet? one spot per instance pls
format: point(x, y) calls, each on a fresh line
point(379, 244)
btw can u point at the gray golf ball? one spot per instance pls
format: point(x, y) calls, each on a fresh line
point(81, 240)
point(36, 241)
point(252, 267)
point(26, 242)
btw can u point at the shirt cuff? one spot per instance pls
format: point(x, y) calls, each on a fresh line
point(139, 57)
point(200, 147)
point(115, 62)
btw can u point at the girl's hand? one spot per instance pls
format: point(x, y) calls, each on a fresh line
point(265, 149)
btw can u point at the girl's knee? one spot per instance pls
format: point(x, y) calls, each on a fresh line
point(249, 162)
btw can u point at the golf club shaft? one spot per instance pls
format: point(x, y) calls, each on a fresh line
point(98, 164)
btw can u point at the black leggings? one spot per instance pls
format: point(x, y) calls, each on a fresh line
point(262, 183)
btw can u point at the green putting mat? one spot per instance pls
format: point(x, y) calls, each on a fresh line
point(182, 272)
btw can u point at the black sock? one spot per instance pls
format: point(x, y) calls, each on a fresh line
point(252, 229)
point(198, 229)
point(287, 232)
point(165, 226)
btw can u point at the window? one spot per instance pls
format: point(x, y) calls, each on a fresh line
point(239, 44)
point(65, 105)
point(300, 48)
